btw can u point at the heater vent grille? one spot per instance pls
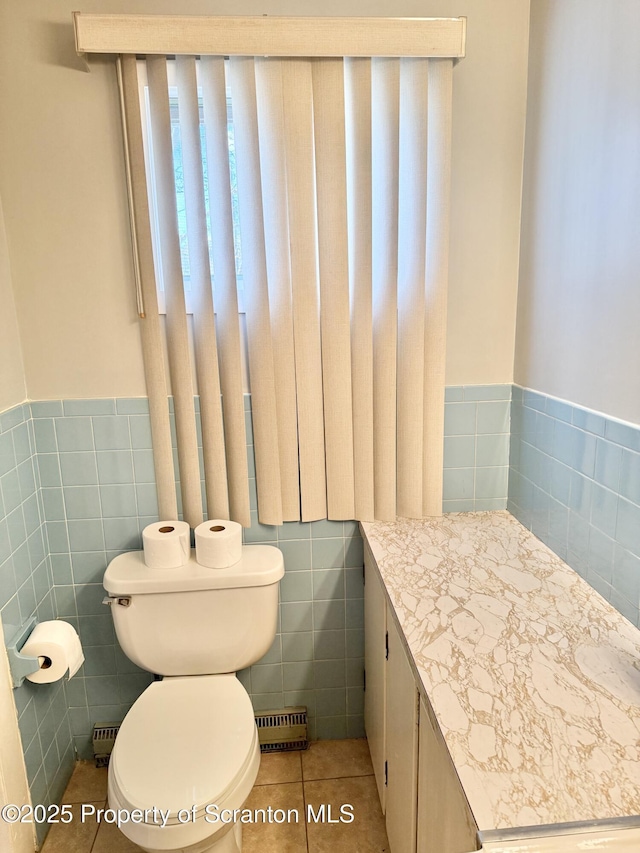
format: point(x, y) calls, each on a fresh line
point(104, 737)
point(278, 731)
point(282, 730)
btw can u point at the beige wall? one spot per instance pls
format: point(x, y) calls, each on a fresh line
point(61, 174)
point(578, 326)
point(12, 384)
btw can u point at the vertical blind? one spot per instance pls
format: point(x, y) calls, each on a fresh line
point(342, 167)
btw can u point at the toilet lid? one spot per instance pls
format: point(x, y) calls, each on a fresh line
point(185, 742)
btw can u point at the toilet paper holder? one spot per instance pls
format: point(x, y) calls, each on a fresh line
point(21, 665)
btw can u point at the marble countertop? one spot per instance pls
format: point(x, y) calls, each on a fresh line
point(534, 678)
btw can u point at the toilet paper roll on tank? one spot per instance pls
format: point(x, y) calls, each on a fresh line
point(57, 647)
point(218, 543)
point(166, 544)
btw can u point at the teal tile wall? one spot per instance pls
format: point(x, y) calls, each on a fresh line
point(26, 589)
point(97, 489)
point(476, 447)
point(99, 492)
point(77, 486)
point(574, 481)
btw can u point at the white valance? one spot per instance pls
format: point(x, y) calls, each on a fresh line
point(264, 35)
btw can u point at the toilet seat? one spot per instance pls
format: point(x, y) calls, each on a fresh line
point(186, 742)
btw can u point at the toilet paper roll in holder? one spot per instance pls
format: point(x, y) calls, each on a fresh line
point(22, 665)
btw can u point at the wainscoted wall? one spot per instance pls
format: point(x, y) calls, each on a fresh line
point(574, 480)
point(98, 492)
point(26, 589)
point(77, 486)
point(94, 487)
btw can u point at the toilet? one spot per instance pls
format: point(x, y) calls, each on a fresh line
point(188, 748)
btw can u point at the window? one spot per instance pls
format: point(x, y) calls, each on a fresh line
point(179, 184)
point(343, 184)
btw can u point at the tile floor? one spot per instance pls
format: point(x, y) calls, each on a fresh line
point(332, 772)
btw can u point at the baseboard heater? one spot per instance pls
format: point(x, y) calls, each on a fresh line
point(283, 730)
point(278, 731)
point(104, 737)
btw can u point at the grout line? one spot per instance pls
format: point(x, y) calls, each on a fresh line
point(304, 806)
point(281, 782)
point(337, 778)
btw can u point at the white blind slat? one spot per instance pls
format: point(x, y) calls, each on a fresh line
point(276, 235)
point(297, 91)
point(333, 264)
point(204, 331)
point(222, 249)
point(254, 265)
point(358, 131)
point(385, 75)
point(438, 220)
point(177, 334)
point(150, 328)
point(412, 213)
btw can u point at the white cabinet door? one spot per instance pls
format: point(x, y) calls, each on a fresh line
point(445, 823)
point(375, 627)
point(401, 746)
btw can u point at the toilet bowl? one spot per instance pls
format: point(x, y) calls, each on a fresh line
point(187, 750)
point(187, 753)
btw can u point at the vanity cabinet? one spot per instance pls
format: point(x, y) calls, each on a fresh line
point(515, 627)
point(424, 806)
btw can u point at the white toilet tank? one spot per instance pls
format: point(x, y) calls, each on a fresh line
point(194, 620)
